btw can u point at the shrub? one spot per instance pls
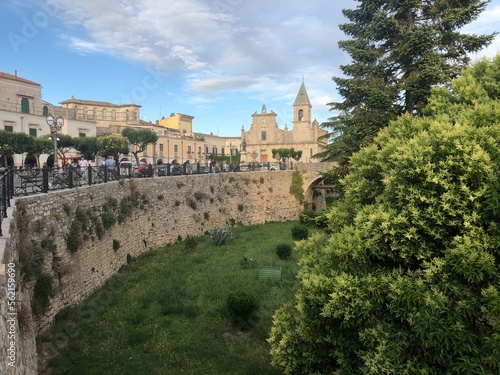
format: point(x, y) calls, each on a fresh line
point(74, 240)
point(116, 245)
point(191, 243)
point(284, 251)
point(247, 262)
point(108, 219)
point(241, 308)
point(221, 236)
point(300, 232)
point(240, 207)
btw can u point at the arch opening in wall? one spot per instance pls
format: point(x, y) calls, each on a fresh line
point(50, 161)
point(30, 161)
point(6, 161)
point(317, 194)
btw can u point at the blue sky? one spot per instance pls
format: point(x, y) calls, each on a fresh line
point(216, 60)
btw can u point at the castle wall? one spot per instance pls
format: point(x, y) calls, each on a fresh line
point(163, 209)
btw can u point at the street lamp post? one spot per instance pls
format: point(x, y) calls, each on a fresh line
point(230, 144)
point(56, 124)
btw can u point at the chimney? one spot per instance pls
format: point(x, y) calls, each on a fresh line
point(15, 73)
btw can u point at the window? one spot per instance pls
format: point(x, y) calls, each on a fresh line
point(176, 151)
point(82, 133)
point(223, 151)
point(199, 150)
point(263, 135)
point(104, 114)
point(214, 150)
point(94, 114)
point(161, 149)
point(85, 113)
point(8, 126)
point(189, 150)
point(25, 105)
point(75, 110)
point(301, 115)
point(206, 150)
point(45, 110)
point(126, 115)
point(32, 130)
point(113, 115)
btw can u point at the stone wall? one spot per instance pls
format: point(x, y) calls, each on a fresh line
point(158, 211)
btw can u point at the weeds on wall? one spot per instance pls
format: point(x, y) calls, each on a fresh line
point(240, 207)
point(44, 289)
point(191, 203)
point(74, 237)
point(67, 209)
point(296, 186)
point(198, 195)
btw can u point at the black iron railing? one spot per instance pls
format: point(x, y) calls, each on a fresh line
point(19, 182)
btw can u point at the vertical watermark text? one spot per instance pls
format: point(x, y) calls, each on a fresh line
point(11, 315)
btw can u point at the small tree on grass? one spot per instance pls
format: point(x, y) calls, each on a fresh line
point(284, 251)
point(241, 307)
point(300, 232)
point(191, 244)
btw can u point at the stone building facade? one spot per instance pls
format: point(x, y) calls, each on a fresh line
point(265, 135)
point(23, 110)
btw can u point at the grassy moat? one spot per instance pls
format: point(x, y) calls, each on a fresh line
point(165, 312)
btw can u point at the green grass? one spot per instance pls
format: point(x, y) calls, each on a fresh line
point(164, 313)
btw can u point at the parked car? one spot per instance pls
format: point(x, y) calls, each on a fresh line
point(163, 170)
point(244, 168)
point(175, 169)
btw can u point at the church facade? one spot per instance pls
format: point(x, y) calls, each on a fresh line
point(264, 134)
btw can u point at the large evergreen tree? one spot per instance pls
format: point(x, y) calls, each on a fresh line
point(399, 50)
point(408, 279)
